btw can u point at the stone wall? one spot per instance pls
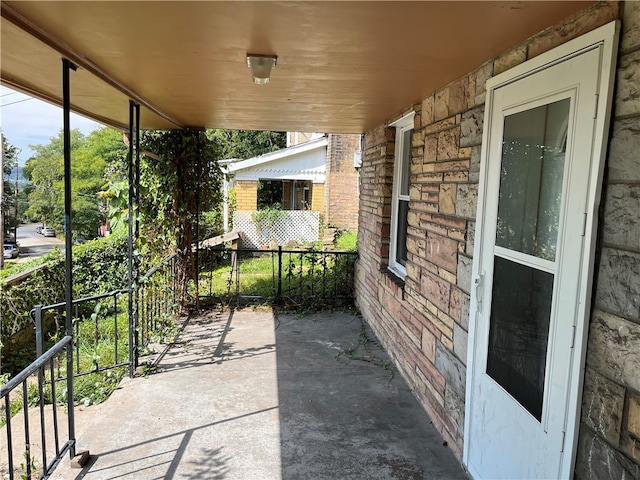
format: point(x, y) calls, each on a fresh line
point(423, 321)
point(609, 441)
point(341, 194)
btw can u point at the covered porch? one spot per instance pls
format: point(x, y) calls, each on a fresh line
point(202, 80)
point(253, 394)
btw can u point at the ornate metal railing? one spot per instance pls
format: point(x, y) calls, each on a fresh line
point(291, 278)
point(107, 334)
point(48, 437)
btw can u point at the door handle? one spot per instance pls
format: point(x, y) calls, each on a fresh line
point(478, 282)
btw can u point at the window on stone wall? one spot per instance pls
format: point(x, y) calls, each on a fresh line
point(400, 196)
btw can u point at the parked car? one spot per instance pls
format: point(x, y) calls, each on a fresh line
point(39, 229)
point(48, 232)
point(11, 250)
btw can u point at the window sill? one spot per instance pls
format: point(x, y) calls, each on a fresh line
point(392, 278)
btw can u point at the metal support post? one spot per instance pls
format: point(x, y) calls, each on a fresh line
point(2, 198)
point(134, 232)
point(66, 109)
point(136, 257)
point(279, 272)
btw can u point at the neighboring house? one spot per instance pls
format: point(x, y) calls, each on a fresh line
point(514, 318)
point(314, 180)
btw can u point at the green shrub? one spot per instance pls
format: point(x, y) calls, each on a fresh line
point(99, 266)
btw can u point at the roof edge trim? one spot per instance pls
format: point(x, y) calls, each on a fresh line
point(11, 15)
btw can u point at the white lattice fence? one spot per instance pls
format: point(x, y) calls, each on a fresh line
point(290, 225)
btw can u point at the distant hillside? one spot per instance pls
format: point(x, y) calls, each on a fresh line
point(22, 182)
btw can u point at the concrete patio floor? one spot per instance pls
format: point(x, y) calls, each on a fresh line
point(249, 395)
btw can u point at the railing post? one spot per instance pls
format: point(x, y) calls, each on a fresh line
point(279, 272)
point(39, 347)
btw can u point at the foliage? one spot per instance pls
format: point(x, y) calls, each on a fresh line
point(211, 224)
point(99, 266)
point(347, 241)
point(14, 268)
point(307, 277)
point(10, 161)
point(267, 218)
point(94, 157)
point(242, 144)
point(269, 193)
point(44, 286)
point(184, 180)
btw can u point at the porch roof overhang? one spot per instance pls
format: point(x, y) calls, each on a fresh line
point(343, 67)
point(306, 161)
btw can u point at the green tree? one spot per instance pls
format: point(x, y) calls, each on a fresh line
point(247, 143)
point(10, 161)
point(45, 173)
point(95, 158)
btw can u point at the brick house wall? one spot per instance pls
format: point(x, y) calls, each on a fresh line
point(423, 321)
point(317, 194)
point(340, 202)
point(246, 195)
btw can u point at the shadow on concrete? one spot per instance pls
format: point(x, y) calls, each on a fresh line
point(344, 412)
point(249, 395)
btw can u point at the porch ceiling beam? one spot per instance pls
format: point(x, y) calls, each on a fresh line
point(10, 14)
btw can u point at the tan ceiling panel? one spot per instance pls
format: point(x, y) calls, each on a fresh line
point(342, 66)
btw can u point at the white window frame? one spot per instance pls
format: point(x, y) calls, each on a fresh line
point(402, 160)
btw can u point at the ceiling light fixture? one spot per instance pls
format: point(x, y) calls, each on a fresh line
point(261, 66)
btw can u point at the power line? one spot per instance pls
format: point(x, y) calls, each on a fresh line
point(18, 101)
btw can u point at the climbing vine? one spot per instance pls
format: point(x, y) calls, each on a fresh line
point(182, 180)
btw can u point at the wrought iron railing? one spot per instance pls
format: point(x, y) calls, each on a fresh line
point(292, 278)
point(107, 334)
point(49, 433)
point(157, 303)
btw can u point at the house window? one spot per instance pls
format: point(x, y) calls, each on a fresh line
point(400, 196)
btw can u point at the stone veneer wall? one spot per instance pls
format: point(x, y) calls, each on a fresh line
point(609, 441)
point(423, 322)
point(341, 194)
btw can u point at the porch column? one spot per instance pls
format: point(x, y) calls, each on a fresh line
point(68, 242)
point(134, 231)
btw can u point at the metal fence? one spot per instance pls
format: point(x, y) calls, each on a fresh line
point(290, 278)
point(107, 334)
point(157, 303)
point(48, 436)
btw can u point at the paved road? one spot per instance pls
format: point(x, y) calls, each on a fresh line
point(33, 244)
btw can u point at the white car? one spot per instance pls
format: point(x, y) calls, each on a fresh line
point(48, 232)
point(11, 250)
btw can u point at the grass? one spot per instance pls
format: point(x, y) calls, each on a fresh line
point(347, 242)
point(98, 333)
point(255, 277)
point(317, 275)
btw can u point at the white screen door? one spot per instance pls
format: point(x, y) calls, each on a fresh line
point(531, 221)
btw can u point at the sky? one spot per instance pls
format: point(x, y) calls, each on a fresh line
point(27, 121)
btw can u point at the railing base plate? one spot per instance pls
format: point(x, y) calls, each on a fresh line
point(81, 459)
